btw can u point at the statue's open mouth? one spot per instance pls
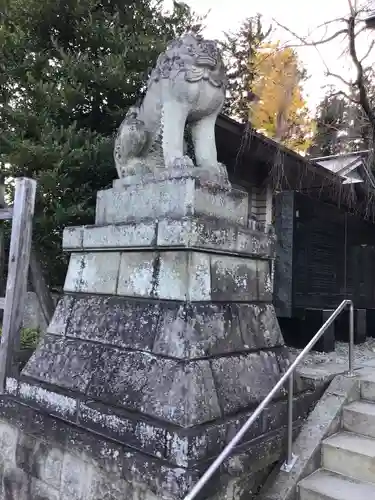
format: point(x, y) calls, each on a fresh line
point(206, 61)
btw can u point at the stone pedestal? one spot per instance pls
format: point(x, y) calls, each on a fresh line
point(166, 339)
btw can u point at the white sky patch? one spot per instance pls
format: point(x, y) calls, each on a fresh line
point(302, 18)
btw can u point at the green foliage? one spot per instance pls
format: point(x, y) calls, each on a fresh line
point(29, 338)
point(240, 51)
point(69, 69)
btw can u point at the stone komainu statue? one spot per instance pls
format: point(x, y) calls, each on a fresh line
point(186, 86)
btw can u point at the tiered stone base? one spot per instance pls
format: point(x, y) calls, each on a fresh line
point(165, 341)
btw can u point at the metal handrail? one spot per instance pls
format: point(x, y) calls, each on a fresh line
point(288, 375)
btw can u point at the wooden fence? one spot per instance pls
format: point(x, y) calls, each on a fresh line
point(22, 260)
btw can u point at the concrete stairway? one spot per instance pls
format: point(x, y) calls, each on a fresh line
point(348, 457)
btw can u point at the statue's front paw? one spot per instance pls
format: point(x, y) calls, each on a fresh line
point(182, 163)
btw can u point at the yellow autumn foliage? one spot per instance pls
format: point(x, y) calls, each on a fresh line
point(280, 111)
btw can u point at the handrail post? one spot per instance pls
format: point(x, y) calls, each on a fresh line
point(290, 418)
point(291, 459)
point(351, 339)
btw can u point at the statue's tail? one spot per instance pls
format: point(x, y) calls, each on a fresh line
point(129, 142)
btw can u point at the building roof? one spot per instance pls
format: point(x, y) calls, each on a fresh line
point(255, 158)
point(352, 167)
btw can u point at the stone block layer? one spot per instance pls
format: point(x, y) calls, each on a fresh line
point(176, 198)
point(43, 457)
point(170, 275)
point(189, 232)
point(169, 361)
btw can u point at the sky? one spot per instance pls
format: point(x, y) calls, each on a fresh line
point(300, 16)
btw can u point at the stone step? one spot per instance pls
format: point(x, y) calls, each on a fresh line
point(359, 417)
point(368, 388)
point(327, 485)
point(350, 454)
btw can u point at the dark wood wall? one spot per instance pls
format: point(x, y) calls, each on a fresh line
point(323, 256)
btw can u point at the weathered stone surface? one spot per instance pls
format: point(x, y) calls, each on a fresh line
point(199, 284)
point(244, 380)
point(234, 278)
point(141, 434)
point(165, 346)
point(114, 321)
point(108, 486)
point(264, 279)
point(33, 316)
point(39, 459)
point(184, 276)
point(188, 232)
point(67, 363)
point(142, 234)
point(17, 484)
point(61, 315)
point(194, 232)
point(73, 237)
point(173, 278)
point(54, 402)
point(259, 326)
point(76, 477)
point(44, 449)
point(176, 392)
point(8, 442)
point(178, 330)
point(257, 243)
point(170, 275)
point(198, 330)
point(137, 274)
point(179, 446)
point(175, 198)
point(285, 230)
point(203, 175)
point(93, 272)
point(141, 472)
point(93, 318)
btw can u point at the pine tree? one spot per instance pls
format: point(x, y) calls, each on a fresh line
point(240, 51)
point(69, 69)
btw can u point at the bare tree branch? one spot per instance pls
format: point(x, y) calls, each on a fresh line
point(351, 8)
point(363, 29)
point(360, 81)
point(368, 51)
point(332, 21)
point(339, 77)
point(344, 94)
point(302, 40)
point(353, 28)
point(305, 43)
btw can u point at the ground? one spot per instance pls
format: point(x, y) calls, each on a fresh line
point(318, 364)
